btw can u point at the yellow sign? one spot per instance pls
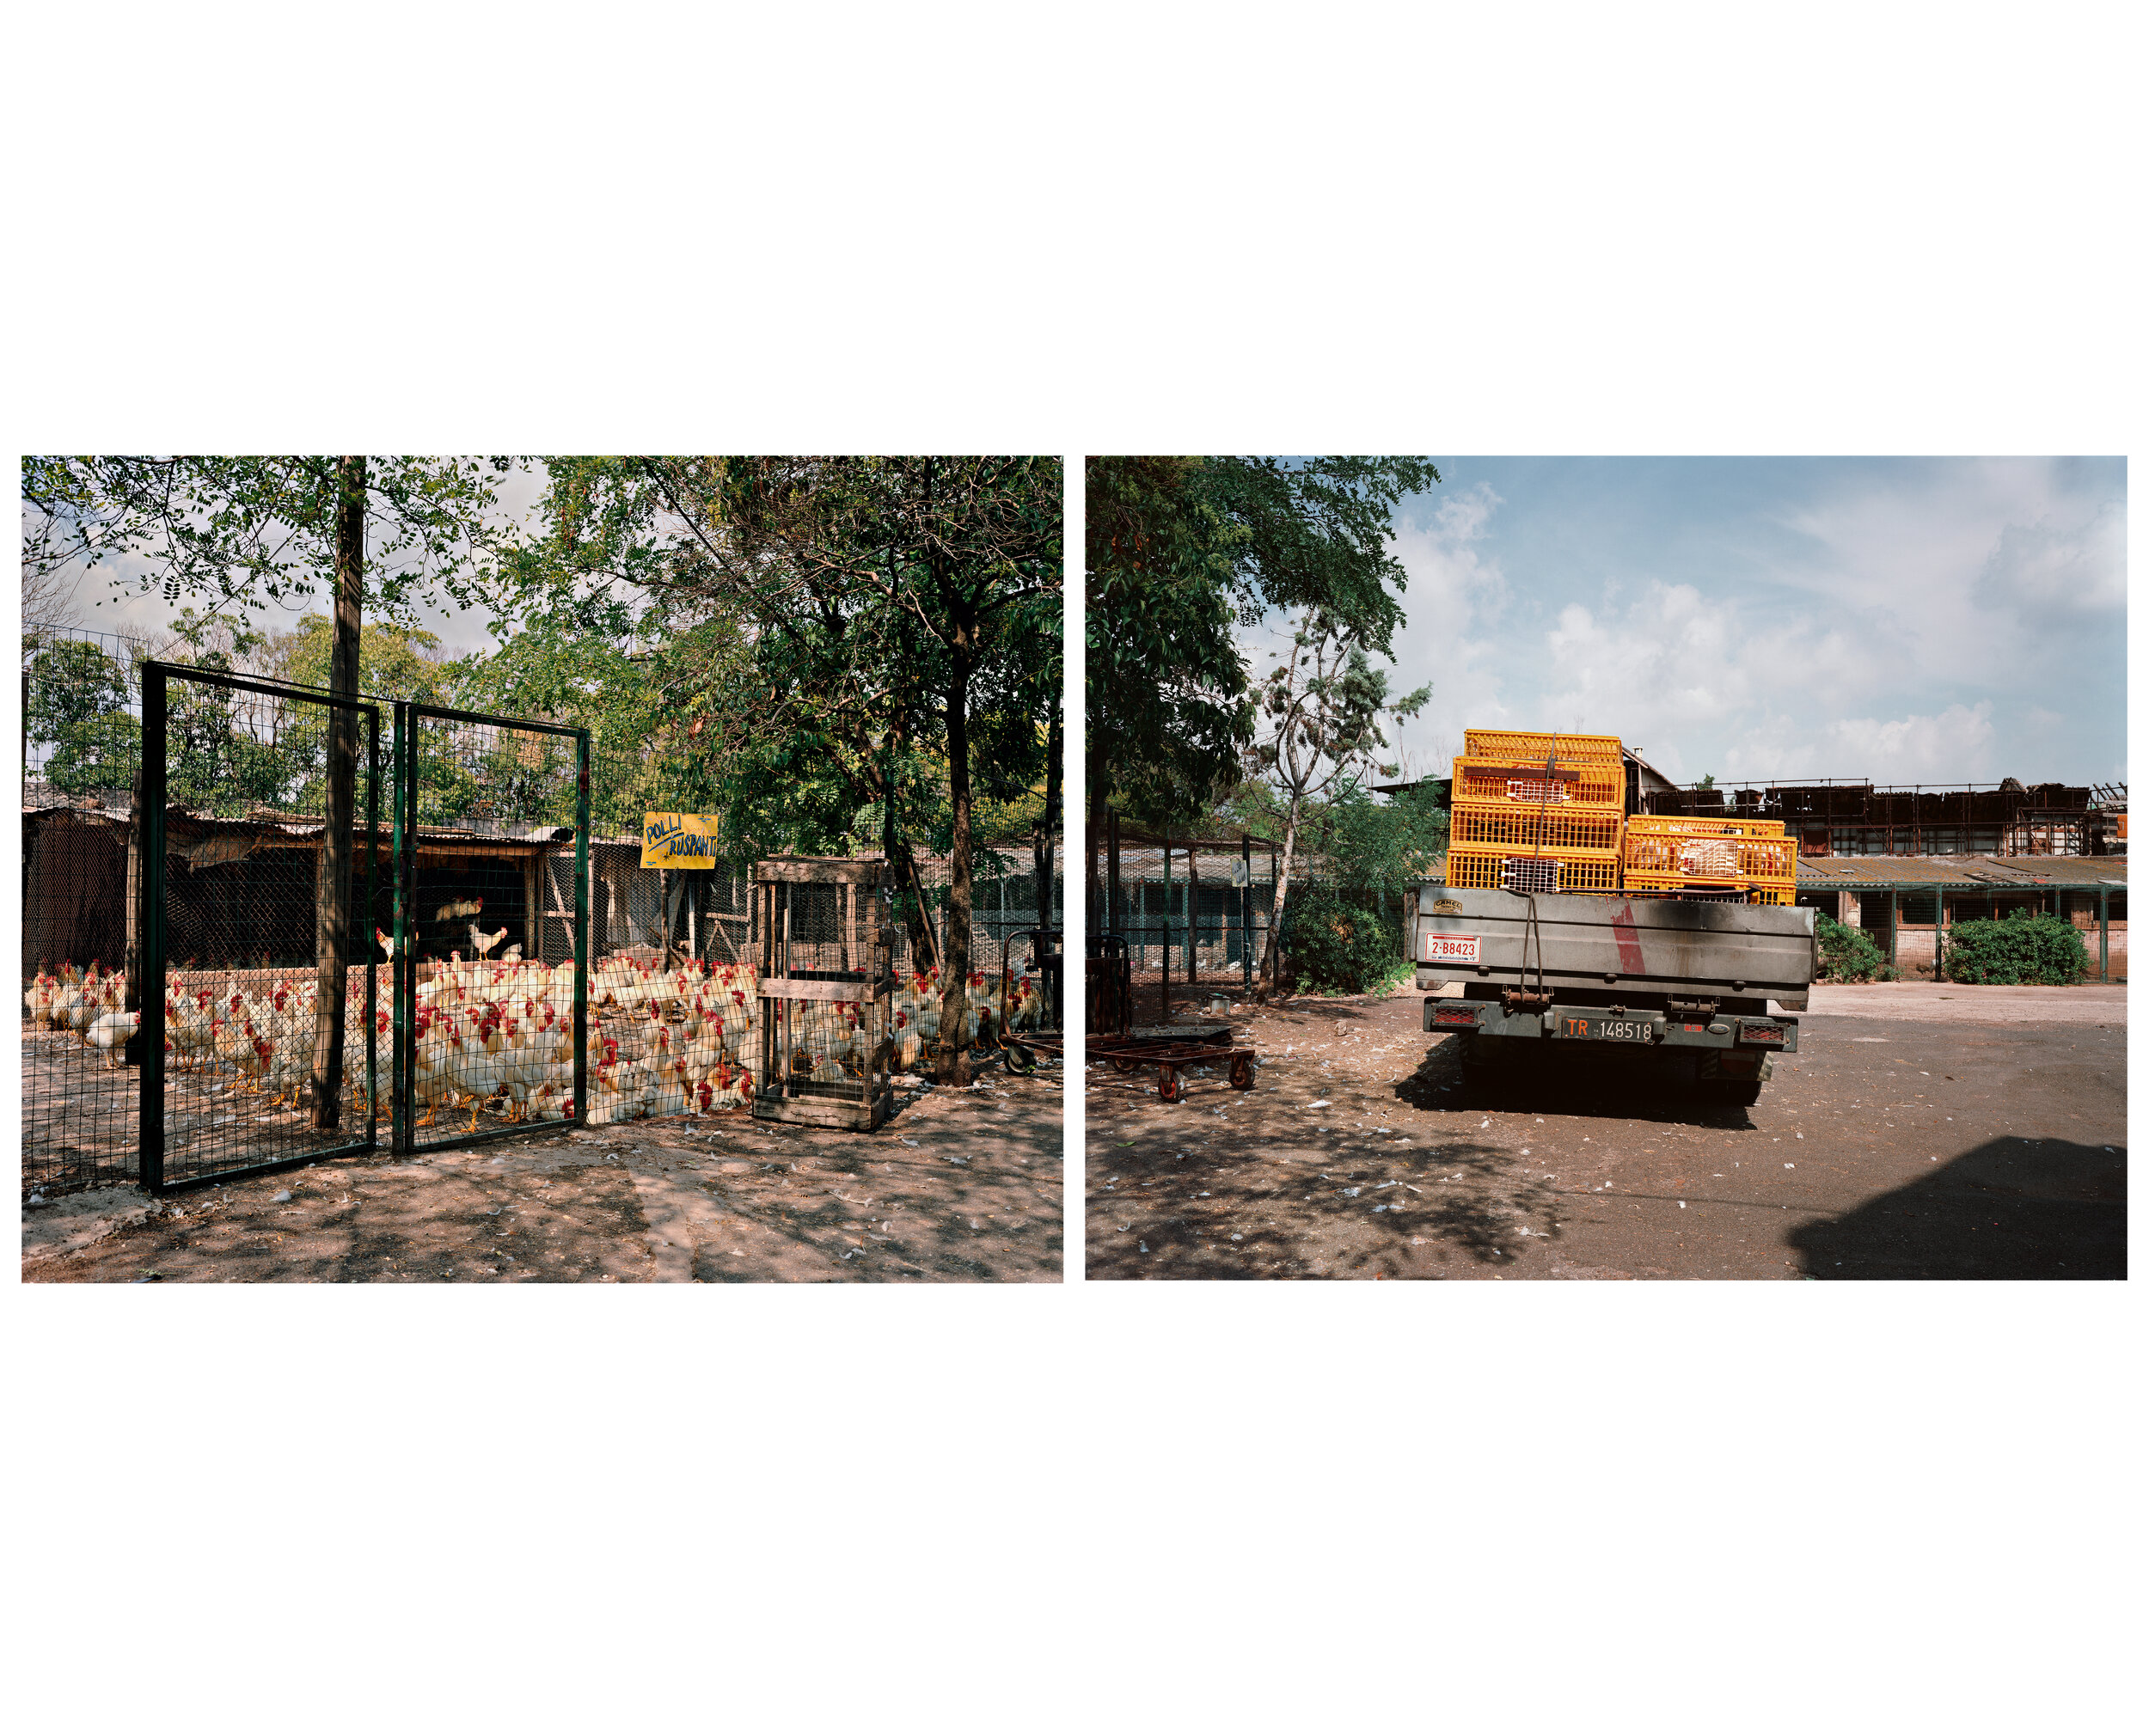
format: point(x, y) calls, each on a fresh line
point(679, 840)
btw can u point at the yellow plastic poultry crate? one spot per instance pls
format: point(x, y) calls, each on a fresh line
point(1514, 780)
point(1495, 869)
point(1518, 825)
point(1535, 744)
point(1677, 885)
point(1711, 850)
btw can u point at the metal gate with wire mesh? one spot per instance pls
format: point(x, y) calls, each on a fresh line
point(492, 1012)
point(258, 1044)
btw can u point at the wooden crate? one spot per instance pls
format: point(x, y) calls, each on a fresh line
point(826, 990)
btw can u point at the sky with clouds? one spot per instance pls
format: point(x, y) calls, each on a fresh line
point(1908, 620)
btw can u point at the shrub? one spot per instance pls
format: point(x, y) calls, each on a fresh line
point(1338, 948)
point(1849, 955)
point(2017, 948)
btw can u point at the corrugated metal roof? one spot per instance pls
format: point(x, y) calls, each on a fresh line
point(1822, 873)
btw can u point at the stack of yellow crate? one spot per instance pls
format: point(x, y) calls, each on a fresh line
point(1678, 853)
point(1533, 811)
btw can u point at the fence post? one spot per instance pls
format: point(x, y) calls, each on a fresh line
point(1245, 910)
point(402, 988)
point(582, 928)
point(365, 928)
point(150, 1140)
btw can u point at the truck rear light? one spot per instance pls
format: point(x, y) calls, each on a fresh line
point(1455, 1015)
point(1761, 1030)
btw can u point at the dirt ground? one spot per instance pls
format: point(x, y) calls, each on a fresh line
point(960, 1186)
point(1925, 1130)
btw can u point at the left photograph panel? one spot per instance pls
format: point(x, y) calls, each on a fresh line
point(508, 869)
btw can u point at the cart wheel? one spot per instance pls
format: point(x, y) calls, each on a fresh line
point(1119, 1063)
point(1241, 1073)
point(1168, 1085)
point(1021, 1061)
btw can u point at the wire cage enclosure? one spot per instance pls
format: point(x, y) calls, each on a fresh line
point(827, 992)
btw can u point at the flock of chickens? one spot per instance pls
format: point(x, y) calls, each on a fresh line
point(498, 1035)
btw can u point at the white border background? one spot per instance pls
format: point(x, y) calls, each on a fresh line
point(1179, 228)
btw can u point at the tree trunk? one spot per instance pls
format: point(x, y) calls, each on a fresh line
point(955, 971)
point(1093, 840)
point(332, 898)
point(910, 889)
point(1272, 954)
point(1041, 839)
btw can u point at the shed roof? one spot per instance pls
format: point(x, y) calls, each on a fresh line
point(1824, 873)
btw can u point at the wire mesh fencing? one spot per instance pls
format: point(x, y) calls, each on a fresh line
point(491, 946)
point(82, 710)
point(260, 1019)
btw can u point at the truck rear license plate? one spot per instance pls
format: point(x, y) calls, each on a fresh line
point(1603, 1030)
point(1451, 948)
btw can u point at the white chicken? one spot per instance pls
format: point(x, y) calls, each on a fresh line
point(110, 1031)
point(669, 1094)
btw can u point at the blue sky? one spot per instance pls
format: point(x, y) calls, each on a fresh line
point(1909, 620)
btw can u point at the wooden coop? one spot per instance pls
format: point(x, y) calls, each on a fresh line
point(827, 992)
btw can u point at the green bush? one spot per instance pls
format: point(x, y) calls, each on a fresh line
point(1336, 948)
point(1849, 955)
point(2017, 948)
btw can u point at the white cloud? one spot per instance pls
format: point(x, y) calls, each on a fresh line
point(2054, 567)
point(1916, 749)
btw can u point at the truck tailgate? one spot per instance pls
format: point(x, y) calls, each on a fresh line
point(1639, 945)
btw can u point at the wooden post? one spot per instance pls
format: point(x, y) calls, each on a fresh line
point(533, 947)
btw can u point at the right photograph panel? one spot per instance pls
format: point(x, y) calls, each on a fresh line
point(1527, 868)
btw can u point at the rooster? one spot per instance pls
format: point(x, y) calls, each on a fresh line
point(386, 940)
point(481, 943)
point(451, 913)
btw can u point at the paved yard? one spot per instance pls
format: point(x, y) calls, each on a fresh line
point(1925, 1130)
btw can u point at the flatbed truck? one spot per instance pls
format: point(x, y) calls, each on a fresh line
point(1544, 983)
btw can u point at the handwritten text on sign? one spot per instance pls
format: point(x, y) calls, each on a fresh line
point(679, 840)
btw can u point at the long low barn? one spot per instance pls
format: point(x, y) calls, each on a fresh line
point(244, 889)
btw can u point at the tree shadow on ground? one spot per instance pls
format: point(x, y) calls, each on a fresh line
point(1358, 1213)
point(2010, 1209)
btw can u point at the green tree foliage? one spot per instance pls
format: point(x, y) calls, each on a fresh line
point(1167, 710)
point(1318, 532)
point(394, 662)
point(826, 650)
point(1380, 850)
point(1323, 704)
point(245, 532)
point(77, 709)
point(2022, 947)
